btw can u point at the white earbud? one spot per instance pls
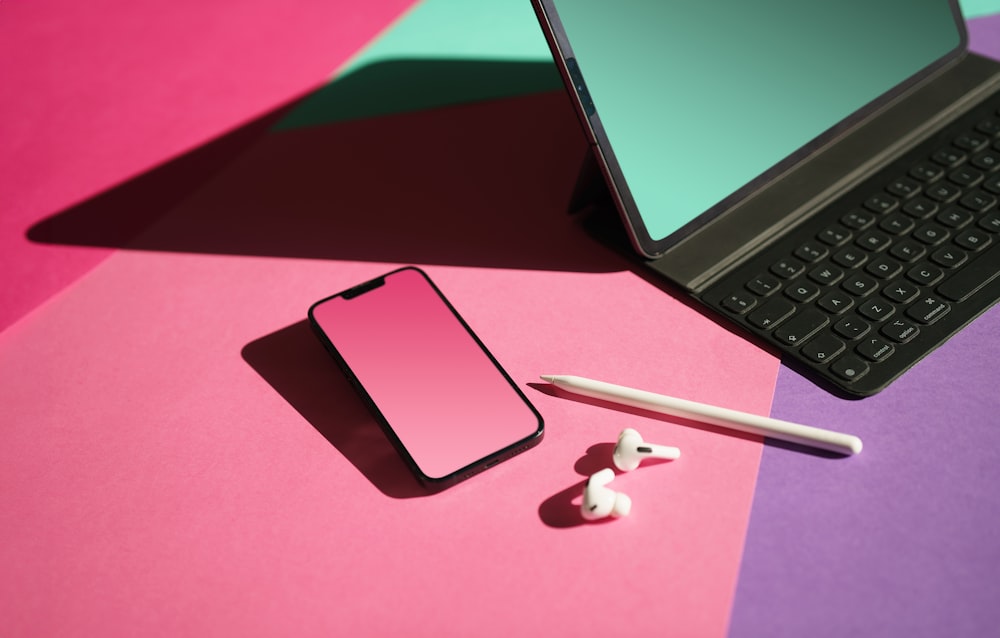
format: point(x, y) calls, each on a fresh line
point(599, 500)
point(631, 449)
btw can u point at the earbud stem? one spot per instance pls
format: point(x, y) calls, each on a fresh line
point(658, 451)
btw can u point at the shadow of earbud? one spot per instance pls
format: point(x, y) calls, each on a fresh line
point(562, 509)
point(598, 457)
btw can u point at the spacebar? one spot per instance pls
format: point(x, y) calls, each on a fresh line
point(967, 281)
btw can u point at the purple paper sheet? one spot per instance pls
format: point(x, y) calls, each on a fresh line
point(904, 539)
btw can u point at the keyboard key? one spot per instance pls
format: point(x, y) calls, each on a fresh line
point(928, 310)
point(920, 207)
point(943, 192)
point(904, 187)
point(896, 224)
point(771, 313)
point(851, 327)
point(739, 302)
point(979, 201)
point(949, 157)
point(826, 274)
point(850, 257)
point(927, 172)
point(859, 285)
point(988, 160)
point(858, 219)
point(900, 330)
point(823, 348)
point(931, 234)
point(924, 274)
point(954, 217)
point(966, 176)
point(835, 302)
point(874, 241)
point(850, 368)
point(787, 268)
point(949, 257)
point(811, 252)
point(801, 327)
point(875, 349)
point(763, 285)
point(907, 250)
point(991, 222)
point(802, 292)
point(834, 236)
point(881, 204)
point(876, 310)
point(900, 292)
point(972, 141)
point(884, 268)
point(972, 239)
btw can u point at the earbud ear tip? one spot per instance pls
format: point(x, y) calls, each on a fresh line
point(623, 505)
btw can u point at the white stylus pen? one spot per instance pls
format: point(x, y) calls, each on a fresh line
point(722, 417)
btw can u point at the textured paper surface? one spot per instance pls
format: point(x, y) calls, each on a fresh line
point(182, 457)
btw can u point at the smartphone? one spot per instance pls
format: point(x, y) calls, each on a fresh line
point(442, 399)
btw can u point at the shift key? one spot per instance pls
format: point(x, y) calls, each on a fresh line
point(801, 327)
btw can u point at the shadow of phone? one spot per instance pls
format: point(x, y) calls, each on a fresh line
point(293, 361)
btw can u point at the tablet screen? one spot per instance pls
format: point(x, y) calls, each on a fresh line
point(699, 100)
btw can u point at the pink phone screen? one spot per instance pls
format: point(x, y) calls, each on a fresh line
point(442, 395)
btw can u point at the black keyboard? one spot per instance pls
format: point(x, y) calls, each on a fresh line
point(867, 287)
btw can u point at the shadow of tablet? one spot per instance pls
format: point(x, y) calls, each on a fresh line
point(295, 364)
point(450, 162)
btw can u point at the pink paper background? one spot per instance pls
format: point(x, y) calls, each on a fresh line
point(182, 457)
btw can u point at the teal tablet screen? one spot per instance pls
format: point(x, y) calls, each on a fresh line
point(700, 98)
